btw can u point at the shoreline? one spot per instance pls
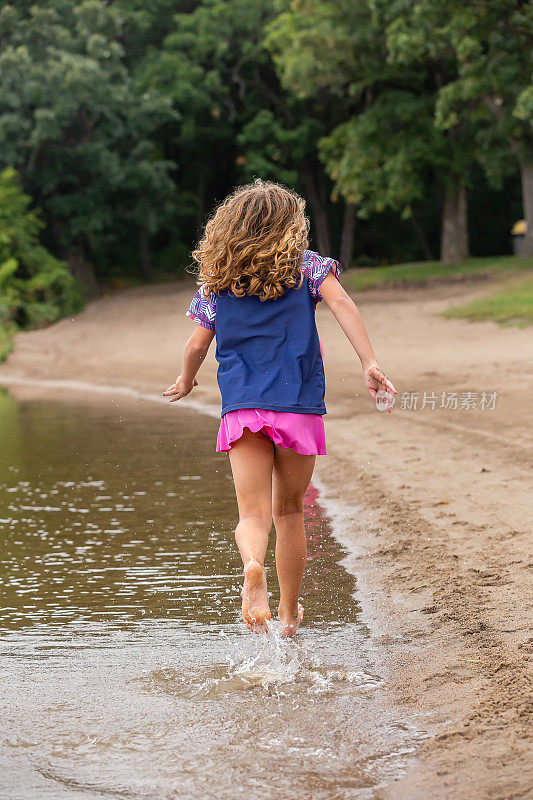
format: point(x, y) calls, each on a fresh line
point(439, 551)
point(103, 388)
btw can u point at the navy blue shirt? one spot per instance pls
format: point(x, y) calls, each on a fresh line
point(268, 351)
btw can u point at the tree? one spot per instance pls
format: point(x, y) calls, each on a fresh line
point(237, 122)
point(375, 171)
point(382, 155)
point(311, 53)
point(493, 45)
point(35, 287)
point(78, 128)
point(487, 92)
point(414, 41)
point(282, 147)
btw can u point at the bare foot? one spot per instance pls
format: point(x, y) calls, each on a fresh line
point(290, 621)
point(255, 610)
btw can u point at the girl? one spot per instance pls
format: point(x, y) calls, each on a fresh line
point(259, 286)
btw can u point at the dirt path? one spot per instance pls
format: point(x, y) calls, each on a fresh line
point(443, 536)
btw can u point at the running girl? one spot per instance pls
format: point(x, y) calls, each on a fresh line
point(259, 285)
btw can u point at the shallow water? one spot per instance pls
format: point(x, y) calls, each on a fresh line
point(126, 670)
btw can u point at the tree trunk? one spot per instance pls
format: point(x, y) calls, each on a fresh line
point(318, 211)
point(347, 235)
point(83, 271)
point(526, 176)
point(145, 261)
point(421, 236)
point(454, 237)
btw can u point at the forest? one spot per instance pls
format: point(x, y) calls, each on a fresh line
point(406, 125)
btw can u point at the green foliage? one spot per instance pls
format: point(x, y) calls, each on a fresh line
point(427, 90)
point(524, 105)
point(128, 121)
point(35, 287)
point(213, 69)
point(327, 48)
point(237, 122)
point(486, 62)
point(76, 125)
point(376, 171)
point(6, 340)
point(275, 147)
point(382, 152)
point(492, 45)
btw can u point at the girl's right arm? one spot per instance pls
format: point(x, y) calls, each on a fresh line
point(347, 315)
point(195, 352)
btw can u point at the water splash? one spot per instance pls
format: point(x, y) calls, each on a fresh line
point(269, 664)
point(275, 661)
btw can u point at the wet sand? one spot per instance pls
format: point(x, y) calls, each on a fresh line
point(440, 539)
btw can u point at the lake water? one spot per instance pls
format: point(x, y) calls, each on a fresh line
point(126, 672)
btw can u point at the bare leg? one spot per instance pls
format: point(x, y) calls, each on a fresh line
point(291, 477)
point(252, 458)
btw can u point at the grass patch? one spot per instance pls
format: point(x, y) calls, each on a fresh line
point(422, 272)
point(512, 303)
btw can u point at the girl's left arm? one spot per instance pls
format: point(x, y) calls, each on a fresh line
point(347, 315)
point(195, 351)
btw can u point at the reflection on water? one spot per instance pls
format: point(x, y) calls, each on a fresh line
point(126, 670)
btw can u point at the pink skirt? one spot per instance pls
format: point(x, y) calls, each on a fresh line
point(304, 433)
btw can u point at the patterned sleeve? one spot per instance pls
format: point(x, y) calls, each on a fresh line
point(202, 309)
point(317, 269)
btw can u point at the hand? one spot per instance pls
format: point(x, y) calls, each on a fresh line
point(376, 380)
point(179, 389)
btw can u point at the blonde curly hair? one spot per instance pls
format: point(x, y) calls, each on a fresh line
point(254, 242)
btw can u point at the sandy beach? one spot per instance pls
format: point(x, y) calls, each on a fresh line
point(441, 534)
